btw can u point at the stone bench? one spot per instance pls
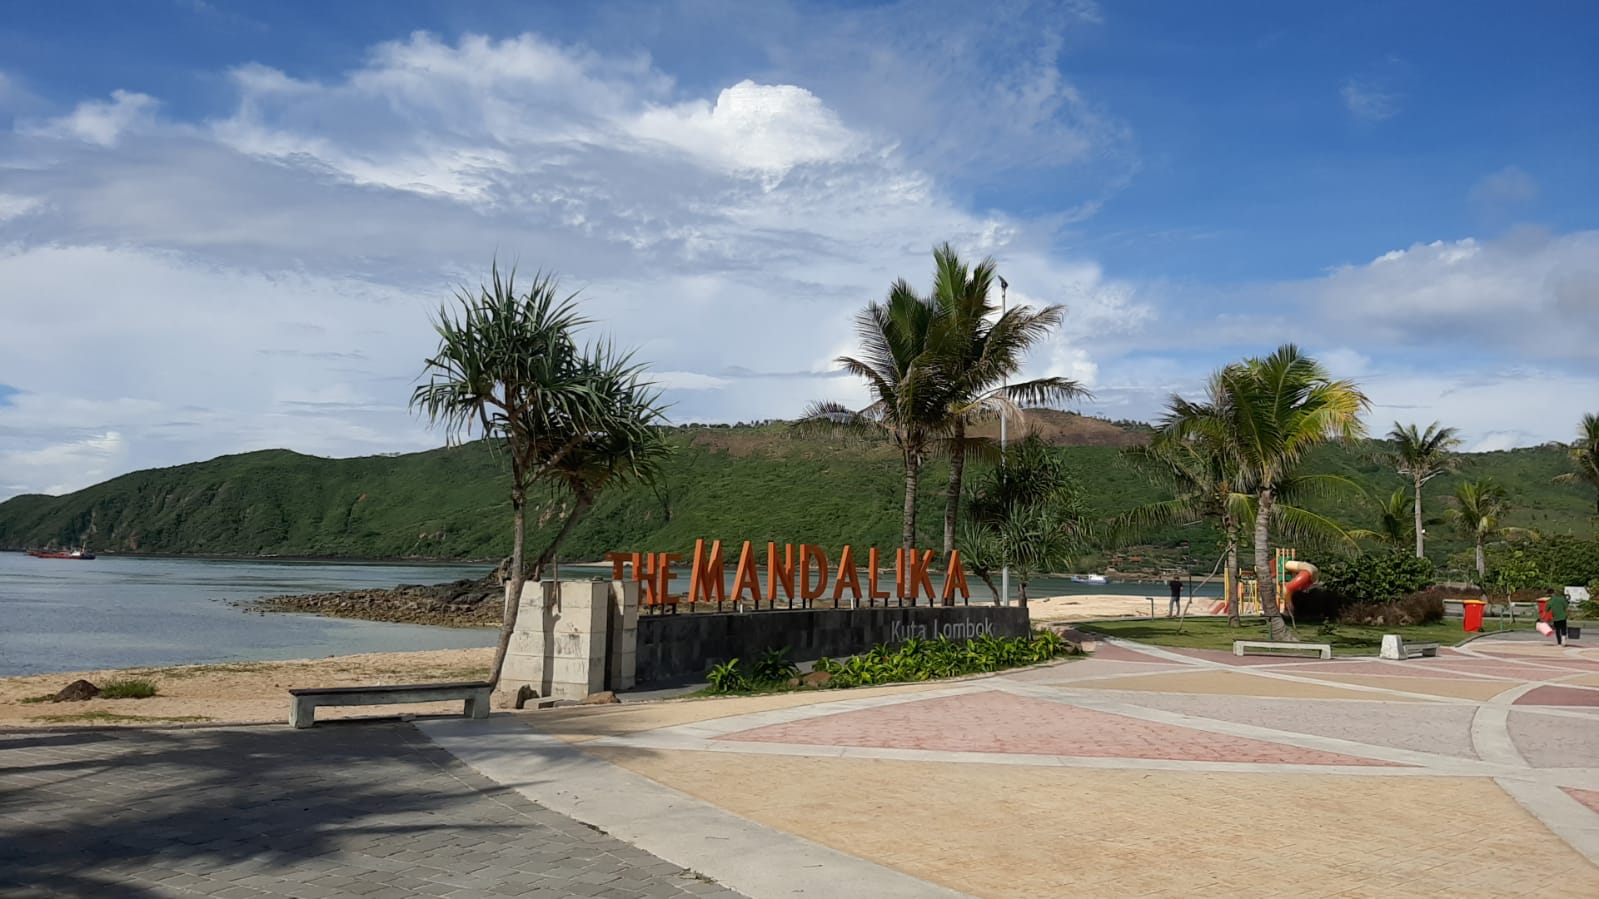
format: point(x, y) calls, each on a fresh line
point(1395, 647)
point(303, 702)
point(1271, 647)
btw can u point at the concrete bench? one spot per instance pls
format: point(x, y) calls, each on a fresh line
point(303, 702)
point(1271, 647)
point(1395, 647)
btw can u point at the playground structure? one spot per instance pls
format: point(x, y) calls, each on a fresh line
point(1291, 575)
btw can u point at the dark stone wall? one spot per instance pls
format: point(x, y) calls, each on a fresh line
point(674, 646)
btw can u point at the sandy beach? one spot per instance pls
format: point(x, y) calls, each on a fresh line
point(256, 692)
point(238, 692)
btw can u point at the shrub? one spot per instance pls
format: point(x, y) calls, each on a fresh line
point(774, 667)
point(1421, 607)
point(727, 678)
point(127, 689)
point(1319, 604)
point(1377, 578)
point(918, 660)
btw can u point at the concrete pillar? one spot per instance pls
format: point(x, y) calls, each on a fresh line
point(622, 636)
point(559, 645)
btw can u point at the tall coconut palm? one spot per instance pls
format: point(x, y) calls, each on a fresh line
point(1026, 516)
point(507, 368)
point(1422, 456)
point(981, 347)
point(910, 392)
point(1269, 412)
point(1205, 486)
point(1479, 508)
point(1585, 456)
point(1394, 527)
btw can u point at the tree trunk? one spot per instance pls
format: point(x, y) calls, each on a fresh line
point(513, 592)
point(992, 587)
point(913, 474)
point(1482, 563)
point(1264, 581)
point(1021, 594)
point(1421, 551)
point(581, 505)
point(952, 503)
point(1232, 575)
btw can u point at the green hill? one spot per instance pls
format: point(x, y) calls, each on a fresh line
point(731, 483)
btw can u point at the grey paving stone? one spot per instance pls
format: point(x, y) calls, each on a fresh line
point(368, 810)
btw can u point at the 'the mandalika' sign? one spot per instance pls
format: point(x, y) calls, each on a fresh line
point(707, 576)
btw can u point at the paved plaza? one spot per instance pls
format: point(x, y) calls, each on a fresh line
point(1137, 772)
point(369, 810)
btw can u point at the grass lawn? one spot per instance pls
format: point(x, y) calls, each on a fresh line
point(1213, 633)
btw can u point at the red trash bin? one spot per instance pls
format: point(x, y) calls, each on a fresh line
point(1473, 622)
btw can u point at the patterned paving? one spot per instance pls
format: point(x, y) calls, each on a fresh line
point(992, 721)
point(1173, 772)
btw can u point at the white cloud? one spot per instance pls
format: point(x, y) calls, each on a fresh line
point(764, 128)
point(14, 206)
point(274, 268)
point(63, 467)
point(1369, 101)
point(1526, 292)
point(1504, 190)
point(104, 123)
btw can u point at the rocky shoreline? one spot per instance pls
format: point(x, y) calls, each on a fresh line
point(463, 603)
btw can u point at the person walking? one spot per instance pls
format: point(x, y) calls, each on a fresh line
point(1176, 597)
point(1557, 614)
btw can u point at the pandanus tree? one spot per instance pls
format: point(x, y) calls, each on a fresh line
point(1395, 528)
point(980, 346)
point(1026, 516)
point(1585, 455)
point(508, 368)
point(1268, 413)
point(1421, 456)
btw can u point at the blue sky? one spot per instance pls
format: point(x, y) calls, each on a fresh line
point(240, 213)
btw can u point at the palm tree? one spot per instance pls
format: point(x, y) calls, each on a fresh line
point(1202, 478)
point(1422, 456)
point(1585, 455)
point(980, 348)
point(1394, 528)
point(507, 367)
point(1198, 472)
point(1268, 412)
point(1479, 507)
point(910, 394)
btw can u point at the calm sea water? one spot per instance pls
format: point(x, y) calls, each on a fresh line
point(111, 612)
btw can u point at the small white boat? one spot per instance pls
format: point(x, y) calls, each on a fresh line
point(1089, 579)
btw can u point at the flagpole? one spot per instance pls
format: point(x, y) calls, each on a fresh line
point(1004, 574)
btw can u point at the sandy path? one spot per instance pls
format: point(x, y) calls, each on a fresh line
point(1104, 605)
point(239, 692)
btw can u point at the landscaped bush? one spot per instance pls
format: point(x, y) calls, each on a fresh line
point(127, 689)
point(1378, 578)
point(1319, 604)
point(913, 660)
point(1421, 607)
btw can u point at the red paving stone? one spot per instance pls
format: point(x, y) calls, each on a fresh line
point(1226, 658)
point(1005, 723)
point(1590, 798)
point(1373, 668)
point(1499, 669)
point(1560, 696)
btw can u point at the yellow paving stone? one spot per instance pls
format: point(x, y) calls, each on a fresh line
point(1223, 683)
point(1021, 832)
point(1459, 688)
point(1587, 680)
point(579, 724)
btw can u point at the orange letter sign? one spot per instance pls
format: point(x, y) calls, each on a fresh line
point(871, 576)
point(809, 554)
point(955, 578)
point(706, 577)
point(776, 572)
point(747, 577)
point(846, 572)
